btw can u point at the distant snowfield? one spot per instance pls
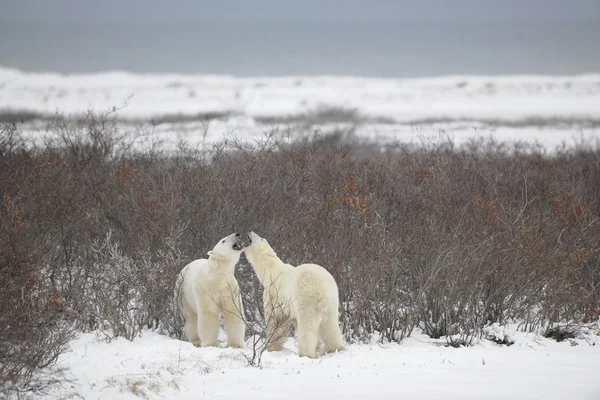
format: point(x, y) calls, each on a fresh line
point(546, 109)
point(155, 366)
point(402, 100)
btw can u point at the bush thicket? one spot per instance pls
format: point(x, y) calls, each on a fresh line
point(94, 228)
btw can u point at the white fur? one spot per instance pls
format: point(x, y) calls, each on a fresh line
point(208, 290)
point(306, 295)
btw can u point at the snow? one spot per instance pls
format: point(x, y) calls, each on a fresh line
point(404, 100)
point(155, 366)
point(547, 109)
point(549, 137)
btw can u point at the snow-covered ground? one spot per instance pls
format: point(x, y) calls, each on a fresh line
point(403, 100)
point(546, 109)
point(155, 366)
point(549, 137)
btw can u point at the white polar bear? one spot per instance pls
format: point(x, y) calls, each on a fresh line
point(306, 295)
point(207, 289)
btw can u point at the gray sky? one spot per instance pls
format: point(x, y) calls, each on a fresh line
point(299, 10)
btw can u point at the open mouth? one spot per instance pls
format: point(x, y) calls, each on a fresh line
point(238, 245)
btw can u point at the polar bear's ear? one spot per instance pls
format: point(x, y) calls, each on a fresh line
point(215, 256)
point(272, 253)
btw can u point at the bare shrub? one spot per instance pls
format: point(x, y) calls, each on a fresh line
point(561, 333)
point(32, 333)
point(447, 238)
point(271, 332)
point(264, 330)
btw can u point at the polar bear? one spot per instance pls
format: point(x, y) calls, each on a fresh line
point(306, 295)
point(207, 289)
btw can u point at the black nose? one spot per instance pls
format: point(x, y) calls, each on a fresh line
point(237, 234)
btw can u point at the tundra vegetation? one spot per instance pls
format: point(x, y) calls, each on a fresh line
point(96, 221)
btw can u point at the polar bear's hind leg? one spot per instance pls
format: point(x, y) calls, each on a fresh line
point(329, 333)
point(308, 337)
point(191, 324)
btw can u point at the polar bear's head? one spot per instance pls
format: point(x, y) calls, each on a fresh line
point(257, 249)
point(229, 249)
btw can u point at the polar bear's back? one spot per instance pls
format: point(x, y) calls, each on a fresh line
point(316, 288)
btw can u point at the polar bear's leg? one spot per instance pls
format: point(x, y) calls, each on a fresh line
point(208, 327)
point(308, 336)
point(277, 330)
point(191, 324)
point(330, 334)
point(234, 324)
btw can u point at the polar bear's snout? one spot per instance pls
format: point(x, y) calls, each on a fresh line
point(238, 244)
point(234, 240)
point(253, 237)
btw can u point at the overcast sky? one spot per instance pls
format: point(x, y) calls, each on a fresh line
point(301, 10)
